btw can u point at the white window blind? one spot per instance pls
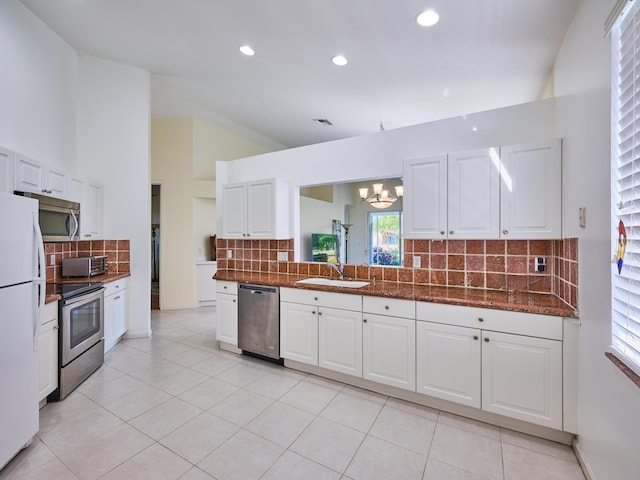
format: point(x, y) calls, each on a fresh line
point(625, 327)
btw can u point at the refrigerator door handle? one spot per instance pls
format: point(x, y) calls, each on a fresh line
point(38, 281)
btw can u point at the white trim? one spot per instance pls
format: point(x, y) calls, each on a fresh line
point(582, 460)
point(615, 13)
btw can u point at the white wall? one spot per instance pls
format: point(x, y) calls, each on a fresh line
point(37, 88)
point(609, 436)
point(381, 155)
point(113, 147)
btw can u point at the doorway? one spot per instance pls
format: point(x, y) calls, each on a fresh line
point(155, 247)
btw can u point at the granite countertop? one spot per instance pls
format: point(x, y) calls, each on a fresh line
point(106, 278)
point(541, 303)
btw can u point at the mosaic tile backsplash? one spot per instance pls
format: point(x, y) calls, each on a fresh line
point(117, 252)
point(488, 264)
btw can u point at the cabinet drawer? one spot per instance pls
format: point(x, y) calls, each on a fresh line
point(115, 286)
point(520, 323)
point(223, 286)
point(342, 301)
point(389, 306)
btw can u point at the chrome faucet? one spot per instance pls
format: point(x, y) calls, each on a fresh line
point(338, 268)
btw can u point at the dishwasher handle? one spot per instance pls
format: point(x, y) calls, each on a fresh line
point(258, 289)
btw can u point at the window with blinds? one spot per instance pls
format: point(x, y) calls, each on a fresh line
point(625, 327)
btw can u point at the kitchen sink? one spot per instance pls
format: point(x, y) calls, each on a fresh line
point(331, 282)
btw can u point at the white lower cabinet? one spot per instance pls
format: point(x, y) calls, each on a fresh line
point(389, 350)
point(322, 328)
point(48, 351)
point(448, 362)
point(515, 372)
point(115, 312)
point(340, 340)
point(522, 378)
point(227, 312)
point(299, 332)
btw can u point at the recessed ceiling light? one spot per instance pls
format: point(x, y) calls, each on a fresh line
point(339, 60)
point(428, 18)
point(247, 50)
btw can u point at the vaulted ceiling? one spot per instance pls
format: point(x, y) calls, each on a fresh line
point(482, 54)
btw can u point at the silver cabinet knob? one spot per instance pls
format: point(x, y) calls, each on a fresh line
point(386, 307)
point(475, 337)
point(486, 339)
point(364, 320)
point(505, 232)
point(481, 319)
point(451, 232)
point(441, 232)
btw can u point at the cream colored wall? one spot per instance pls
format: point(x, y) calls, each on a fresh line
point(171, 159)
point(184, 152)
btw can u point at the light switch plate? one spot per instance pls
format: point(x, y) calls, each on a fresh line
point(416, 261)
point(582, 217)
point(229, 253)
point(283, 256)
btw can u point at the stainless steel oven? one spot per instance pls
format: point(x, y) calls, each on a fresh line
point(81, 335)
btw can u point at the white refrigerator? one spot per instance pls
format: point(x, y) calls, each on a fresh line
point(22, 290)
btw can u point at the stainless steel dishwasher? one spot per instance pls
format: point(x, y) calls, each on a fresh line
point(259, 320)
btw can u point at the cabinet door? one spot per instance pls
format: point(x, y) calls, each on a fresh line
point(340, 341)
point(6, 170)
point(28, 175)
point(121, 313)
point(389, 351)
point(94, 197)
point(227, 317)
point(261, 211)
point(531, 203)
point(110, 313)
point(234, 220)
point(299, 332)
point(474, 195)
point(56, 182)
point(522, 378)
point(48, 352)
point(425, 197)
point(448, 362)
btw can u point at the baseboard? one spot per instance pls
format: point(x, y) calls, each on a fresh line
point(582, 460)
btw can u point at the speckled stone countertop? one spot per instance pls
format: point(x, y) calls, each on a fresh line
point(545, 304)
point(106, 278)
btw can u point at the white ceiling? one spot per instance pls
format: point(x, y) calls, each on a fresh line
point(482, 54)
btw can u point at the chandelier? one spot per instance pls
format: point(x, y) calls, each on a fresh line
point(381, 198)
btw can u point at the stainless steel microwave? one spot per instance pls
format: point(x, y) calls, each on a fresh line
point(59, 219)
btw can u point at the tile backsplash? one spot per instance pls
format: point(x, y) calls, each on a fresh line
point(488, 264)
point(117, 252)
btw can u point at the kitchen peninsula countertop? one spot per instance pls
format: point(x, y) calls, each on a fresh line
point(106, 278)
point(516, 301)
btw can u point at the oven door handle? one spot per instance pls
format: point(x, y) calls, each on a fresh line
point(84, 297)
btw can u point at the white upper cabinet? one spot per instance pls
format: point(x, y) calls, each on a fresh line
point(256, 210)
point(531, 191)
point(454, 196)
point(425, 197)
point(90, 196)
point(34, 176)
point(474, 194)
point(29, 175)
point(6, 170)
point(512, 193)
point(234, 202)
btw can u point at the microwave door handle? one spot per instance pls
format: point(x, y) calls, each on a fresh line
point(76, 225)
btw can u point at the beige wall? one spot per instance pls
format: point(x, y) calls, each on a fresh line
point(184, 152)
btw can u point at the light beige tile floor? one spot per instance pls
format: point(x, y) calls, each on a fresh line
point(174, 406)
